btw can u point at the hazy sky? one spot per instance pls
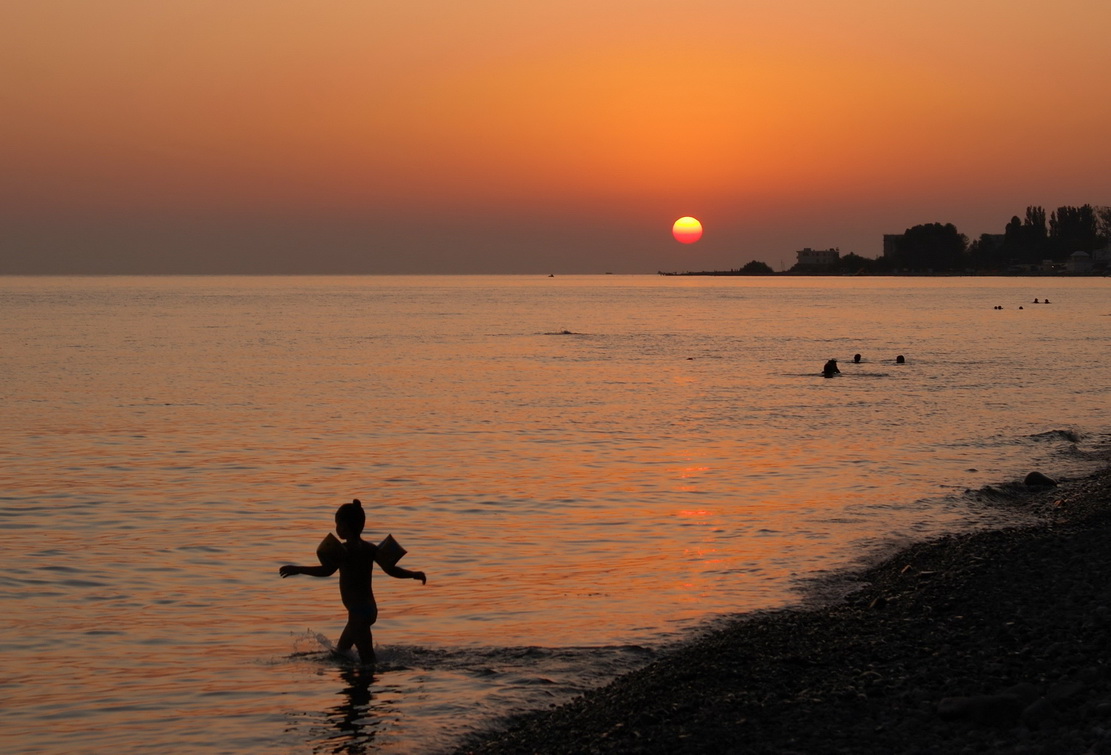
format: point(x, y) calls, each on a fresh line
point(533, 137)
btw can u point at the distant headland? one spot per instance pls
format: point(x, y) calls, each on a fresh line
point(1073, 241)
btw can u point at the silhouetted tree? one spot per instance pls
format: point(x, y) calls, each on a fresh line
point(1074, 229)
point(756, 268)
point(852, 264)
point(1035, 218)
point(1026, 241)
point(987, 253)
point(933, 246)
point(1103, 218)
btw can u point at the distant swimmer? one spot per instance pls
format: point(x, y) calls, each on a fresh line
point(1045, 301)
point(1036, 300)
point(830, 369)
point(856, 358)
point(900, 359)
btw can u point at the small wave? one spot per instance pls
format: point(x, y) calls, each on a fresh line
point(540, 661)
point(82, 583)
point(1009, 492)
point(1015, 497)
point(1072, 436)
point(484, 660)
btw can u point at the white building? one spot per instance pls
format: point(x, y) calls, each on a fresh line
point(818, 257)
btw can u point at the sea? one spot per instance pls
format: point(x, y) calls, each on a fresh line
point(589, 469)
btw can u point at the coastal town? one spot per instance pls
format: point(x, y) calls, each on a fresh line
point(1070, 241)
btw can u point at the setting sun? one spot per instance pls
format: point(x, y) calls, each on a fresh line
point(686, 230)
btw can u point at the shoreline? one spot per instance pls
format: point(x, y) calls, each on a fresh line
point(990, 641)
point(819, 274)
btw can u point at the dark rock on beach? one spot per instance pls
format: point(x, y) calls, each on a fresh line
point(1039, 480)
point(990, 642)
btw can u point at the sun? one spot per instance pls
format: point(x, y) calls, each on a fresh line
point(686, 230)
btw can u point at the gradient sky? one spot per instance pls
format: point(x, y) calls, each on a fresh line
point(533, 137)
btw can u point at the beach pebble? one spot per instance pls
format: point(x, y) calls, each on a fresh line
point(982, 709)
point(1039, 714)
point(1063, 691)
point(1026, 692)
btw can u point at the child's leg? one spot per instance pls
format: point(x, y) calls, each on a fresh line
point(357, 633)
point(347, 639)
point(364, 643)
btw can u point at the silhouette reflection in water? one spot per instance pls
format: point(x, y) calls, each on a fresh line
point(356, 720)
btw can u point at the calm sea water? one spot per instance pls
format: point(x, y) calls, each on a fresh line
point(586, 468)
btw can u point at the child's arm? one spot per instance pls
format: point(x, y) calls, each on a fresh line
point(399, 573)
point(313, 571)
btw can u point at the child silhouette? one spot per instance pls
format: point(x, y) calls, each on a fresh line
point(355, 561)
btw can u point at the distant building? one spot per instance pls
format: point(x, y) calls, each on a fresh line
point(1079, 262)
point(1101, 258)
point(891, 243)
point(818, 257)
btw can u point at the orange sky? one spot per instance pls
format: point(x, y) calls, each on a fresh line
point(496, 136)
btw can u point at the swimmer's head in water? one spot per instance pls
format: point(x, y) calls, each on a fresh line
point(351, 516)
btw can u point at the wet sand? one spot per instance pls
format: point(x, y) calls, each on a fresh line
point(987, 642)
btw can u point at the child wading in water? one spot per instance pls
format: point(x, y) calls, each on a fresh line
point(355, 560)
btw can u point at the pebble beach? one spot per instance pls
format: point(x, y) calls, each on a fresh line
point(992, 641)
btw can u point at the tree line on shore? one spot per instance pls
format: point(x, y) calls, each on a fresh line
point(1025, 243)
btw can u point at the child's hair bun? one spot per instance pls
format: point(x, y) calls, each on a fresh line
point(352, 514)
